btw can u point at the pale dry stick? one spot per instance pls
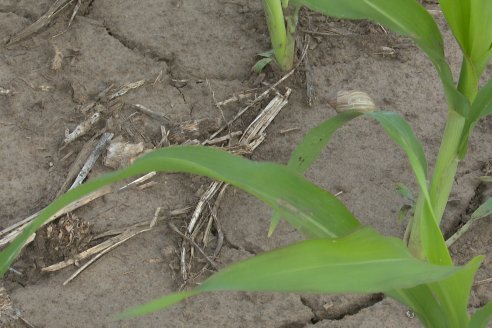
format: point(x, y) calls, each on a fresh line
point(213, 217)
point(81, 129)
point(308, 71)
point(332, 32)
point(147, 185)
point(263, 120)
point(99, 255)
point(482, 282)
point(57, 7)
point(75, 10)
point(175, 229)
point(26, 322)
point(138, 181)
point(216, 106)
point(212, 92)
point(161, 117)
point(130, 235)
point(254, 134)
point(67, 156)
point(164, 139)
point(91, 251)
point(101, 145)
point(127, 87)
point(182, 264)
point(158, 78)
point(236, 98)
point(207, 196)
point(261, 96)
point(285, 131)
point(77, 164)
point(13, 231)
point(74, 13)
point(457, 235)
point(173, 213)
point(252, 138)
point(222, 139)
point(180, 211)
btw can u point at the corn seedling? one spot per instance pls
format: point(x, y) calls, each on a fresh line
point(339, 254)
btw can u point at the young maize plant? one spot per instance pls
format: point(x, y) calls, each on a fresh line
point(417, 272)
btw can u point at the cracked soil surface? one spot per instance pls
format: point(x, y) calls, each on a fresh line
point(122, 41)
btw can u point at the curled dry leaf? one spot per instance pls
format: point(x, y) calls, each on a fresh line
point(195, 129)
point(352, 100)
point(121, 154)
point(57, 59)
point(5, 92)
point(82, 128)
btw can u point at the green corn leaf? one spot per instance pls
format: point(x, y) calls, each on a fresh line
point(404, 191)
point(481, 107)
point(471, 23)
point(401, 133)
point(454, 292)
point(424, 304)
point(403, 212)
point(310, 209)
point(260, 65)
point(311, 146)
point(483, 210)
point(405, 17)
point(441, 304)
point(433, 243)
point(362, 262)
point(308, 150)
point(481, 318)
point(266, 54)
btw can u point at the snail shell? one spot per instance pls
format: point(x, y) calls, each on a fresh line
point(352, 100)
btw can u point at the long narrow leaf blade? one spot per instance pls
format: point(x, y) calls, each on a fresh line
point(483, 210)
point(316, 140)
point(406, 17)
point(401, 133)
point(481, 107)
point(454, 292)
point(362, 262)
point(481, 318)
point(311, 146)
point(307, 207)
point(433, 243)
point(441, 304)
point(471, 23)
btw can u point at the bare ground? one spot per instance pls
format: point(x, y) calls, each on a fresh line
point(117, 42)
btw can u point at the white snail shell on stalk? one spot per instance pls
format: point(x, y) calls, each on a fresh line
point(352, 100)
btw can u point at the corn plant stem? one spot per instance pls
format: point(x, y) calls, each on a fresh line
point(447, 158)
point(446, 164)
point(468, 82)
point(447, 161)
point(282, 38)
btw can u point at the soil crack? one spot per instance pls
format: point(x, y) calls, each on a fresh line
point(137, 47)
point(239, 248)
point(314, 318)
point(480, 194)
